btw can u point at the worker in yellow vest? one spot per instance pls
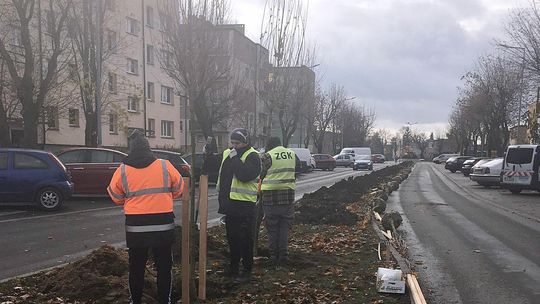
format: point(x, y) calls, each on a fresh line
point(278, 185)
point(239, 169)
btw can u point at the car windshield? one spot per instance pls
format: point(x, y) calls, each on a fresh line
point(519, 156)
point(363, 157)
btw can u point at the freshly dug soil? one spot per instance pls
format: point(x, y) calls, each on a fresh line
point(332, 248)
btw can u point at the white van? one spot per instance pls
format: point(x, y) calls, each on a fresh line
point(357, 151)
point(307, 162)
point(520, 168)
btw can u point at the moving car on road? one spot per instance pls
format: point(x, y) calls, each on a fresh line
point(91, 169)
point(378, 158)
point(520, 168)
point(324, 162)
point(488, 174)
point(345, 160)
point(363, 162)
point(33, 176)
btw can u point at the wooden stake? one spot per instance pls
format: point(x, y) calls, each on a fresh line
point(203, 220)
point(377, 216)
point(185, 242)
point(416, 292)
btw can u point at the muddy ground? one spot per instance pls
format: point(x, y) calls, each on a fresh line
point(333, 252)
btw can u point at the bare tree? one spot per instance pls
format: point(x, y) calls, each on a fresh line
point(327, 106)
point(195, 56)
point(356, 124)
point(5, 100)
point(30, 83)
point(283, 33)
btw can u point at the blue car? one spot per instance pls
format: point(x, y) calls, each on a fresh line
point(33, 176)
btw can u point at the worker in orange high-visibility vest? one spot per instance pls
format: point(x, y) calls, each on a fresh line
point(146, 186)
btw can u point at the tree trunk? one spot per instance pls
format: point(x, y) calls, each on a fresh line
point(90, 130)
point(30, 117)
point(4, 128)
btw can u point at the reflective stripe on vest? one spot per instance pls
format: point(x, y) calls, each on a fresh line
point(280, 176)
point(164, 189)
point(150, 228)
point(241, 191)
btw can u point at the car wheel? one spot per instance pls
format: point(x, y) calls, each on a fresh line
point(453, 171)
point(515, 190)
point(332, 169)
point(49, 199)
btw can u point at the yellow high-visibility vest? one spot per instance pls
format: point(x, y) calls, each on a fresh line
point(280, 176)
point(241, 191)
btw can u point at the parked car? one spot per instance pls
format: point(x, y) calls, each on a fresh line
point(324, 162)
point(469, 163)
point(307, 163)
point(363, 162)
point(346, 160)
point(176, 160)
point(91, 169)
point(521, 168)
point(33, 176)
point(455, 163)
point(197, 167)
point(378, 158)
point(443, 158)
point(488, 174)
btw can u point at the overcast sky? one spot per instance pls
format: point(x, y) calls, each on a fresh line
point(403, 58)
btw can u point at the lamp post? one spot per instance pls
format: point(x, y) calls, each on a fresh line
point(521, 85)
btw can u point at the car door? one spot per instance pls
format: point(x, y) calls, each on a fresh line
point(6, 189)
point(339, 160)
point(101, 169)
point(76, 162)
point(28, 173)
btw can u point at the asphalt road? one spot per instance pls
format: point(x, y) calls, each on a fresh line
point(470, 244)
point(33, 240)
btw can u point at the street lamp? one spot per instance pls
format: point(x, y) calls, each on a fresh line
point(343, 122)
point(521, 85)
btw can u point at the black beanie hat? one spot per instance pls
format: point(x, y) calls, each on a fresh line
point(138, 142)
point(240, 134)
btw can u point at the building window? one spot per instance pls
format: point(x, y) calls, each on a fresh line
point(52, 117)
point(133, 104)
point(112, 85)
point(113, 123)
point(167, 128)
point(151, 127)
point(16, 39)
point(111, 41)
point(73, 117)
point(49, 22)
point(132, 26)
point(167, 59)
point(149, 54)
point(150, 91)
point(162, 22)
point(133, 66)
point(181, 125)
point(166, 95)
point(149, 16)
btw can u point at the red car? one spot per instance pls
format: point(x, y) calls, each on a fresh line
point(378, 158)
point(91, 169)
point(324, 162)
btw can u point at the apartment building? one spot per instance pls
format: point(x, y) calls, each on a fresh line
point(137, 92)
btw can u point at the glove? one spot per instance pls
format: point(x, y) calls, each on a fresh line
point(204, 149)
point(233, 153)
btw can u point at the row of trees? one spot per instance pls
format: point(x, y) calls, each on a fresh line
point(52, 55)
point(495, 95)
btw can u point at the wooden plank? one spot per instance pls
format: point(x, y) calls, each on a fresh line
point(185, 241)
point(419, 290)
point(203, 219)
point(377, 216)
point(412, 289)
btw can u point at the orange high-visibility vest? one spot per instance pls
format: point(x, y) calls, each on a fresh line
point(147, 190)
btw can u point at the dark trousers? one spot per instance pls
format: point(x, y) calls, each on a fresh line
point(240, 238)
point(279, 220)
point(137, 264)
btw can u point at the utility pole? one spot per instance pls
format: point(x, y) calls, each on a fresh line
point(98, 69)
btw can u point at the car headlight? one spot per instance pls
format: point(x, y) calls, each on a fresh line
point(487, 171)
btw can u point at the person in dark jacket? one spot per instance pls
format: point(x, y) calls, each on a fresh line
point(239, 169)
point(146, 187)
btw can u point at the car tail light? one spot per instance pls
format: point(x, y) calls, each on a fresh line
point(59, 163)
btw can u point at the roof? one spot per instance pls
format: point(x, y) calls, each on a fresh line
point(88, 148)
point(23, 150)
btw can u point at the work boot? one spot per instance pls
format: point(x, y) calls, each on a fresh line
point(232, 272)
